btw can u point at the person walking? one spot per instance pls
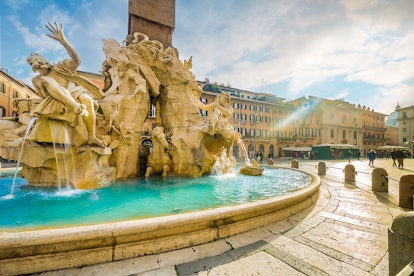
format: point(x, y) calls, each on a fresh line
point(400, 158)
point(371, 157)
point(349, 156)
point(394, 157)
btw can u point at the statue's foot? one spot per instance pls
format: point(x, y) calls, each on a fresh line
point(96, 142)
point(210, 129)
point(81, 110)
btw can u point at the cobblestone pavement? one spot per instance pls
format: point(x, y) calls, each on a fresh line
point(344, 233)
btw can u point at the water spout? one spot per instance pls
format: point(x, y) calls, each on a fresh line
point(246, 156)
point(28, 128)
point(63, 149)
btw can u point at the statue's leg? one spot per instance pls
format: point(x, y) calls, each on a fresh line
point(59, 93)
point(148, 172)
point(165, 170)
point(90, 120)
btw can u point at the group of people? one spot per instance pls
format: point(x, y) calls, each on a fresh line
point(397, 156)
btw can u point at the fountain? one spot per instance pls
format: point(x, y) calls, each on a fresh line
point(89, 139)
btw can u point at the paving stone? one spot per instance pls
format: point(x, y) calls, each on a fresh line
point(367, 246)
point(310, 261)
point(369, 225)
point(260, 263)
point(193, 253)
point(371, 212)
point(167, 271)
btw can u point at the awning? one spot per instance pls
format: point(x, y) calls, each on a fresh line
point(297, 149)
point(392, 148)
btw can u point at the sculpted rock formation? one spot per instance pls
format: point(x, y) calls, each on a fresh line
point(94, 136)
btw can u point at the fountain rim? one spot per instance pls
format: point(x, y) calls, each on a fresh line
point(115, 241)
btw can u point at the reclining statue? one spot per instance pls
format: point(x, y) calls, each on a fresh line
point(62, 89)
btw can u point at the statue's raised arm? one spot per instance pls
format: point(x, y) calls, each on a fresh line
point(57, 34)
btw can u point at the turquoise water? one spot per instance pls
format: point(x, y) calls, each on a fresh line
point(40, 207)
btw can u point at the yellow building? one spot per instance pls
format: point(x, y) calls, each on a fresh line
point(11, 89)
point(374, 130)
point(406, 127)
point(340, 122)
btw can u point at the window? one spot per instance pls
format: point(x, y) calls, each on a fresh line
point(203, 112)
point(243, 131)
point(15, 94)
point(2, 88)
point(152, 111)
point(332, 133)
point(343, 134)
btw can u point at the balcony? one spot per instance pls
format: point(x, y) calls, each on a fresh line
point(287, 139)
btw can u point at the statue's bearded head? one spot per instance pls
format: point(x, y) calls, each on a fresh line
point(224, 99)
point(37, 62)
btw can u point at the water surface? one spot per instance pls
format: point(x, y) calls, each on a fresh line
point(41, 207)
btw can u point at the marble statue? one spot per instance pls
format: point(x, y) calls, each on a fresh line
point(62, 89)
point(219, 124)
point(253, 169)
point(101, 129)
point(159, 153)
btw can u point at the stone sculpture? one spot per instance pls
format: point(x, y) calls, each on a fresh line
point(253, 169)
point(103, 128)
point(159, 160)
point(66, 95)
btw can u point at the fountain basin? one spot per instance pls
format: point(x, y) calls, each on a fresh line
point(43, 250)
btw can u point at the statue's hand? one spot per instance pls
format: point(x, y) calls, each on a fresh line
point(56, 30)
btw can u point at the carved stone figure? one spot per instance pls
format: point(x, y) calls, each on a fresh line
point(62, 89)
point(139, 76)
point(219, 124)
point(159, 160)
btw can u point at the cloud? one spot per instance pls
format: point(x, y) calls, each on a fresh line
point(305, 45)
point(296, 46)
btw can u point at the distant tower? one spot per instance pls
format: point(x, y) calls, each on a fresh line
point(155, 18)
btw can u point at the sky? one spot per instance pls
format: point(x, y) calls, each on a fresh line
point(361, 51)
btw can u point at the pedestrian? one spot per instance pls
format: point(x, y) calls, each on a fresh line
point(349, 156)
point(400, 158)
point(394, 157)
point(371, 157)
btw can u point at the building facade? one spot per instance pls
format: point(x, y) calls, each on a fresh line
point(11, 89)
point(406, 127)
point(269, 125)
